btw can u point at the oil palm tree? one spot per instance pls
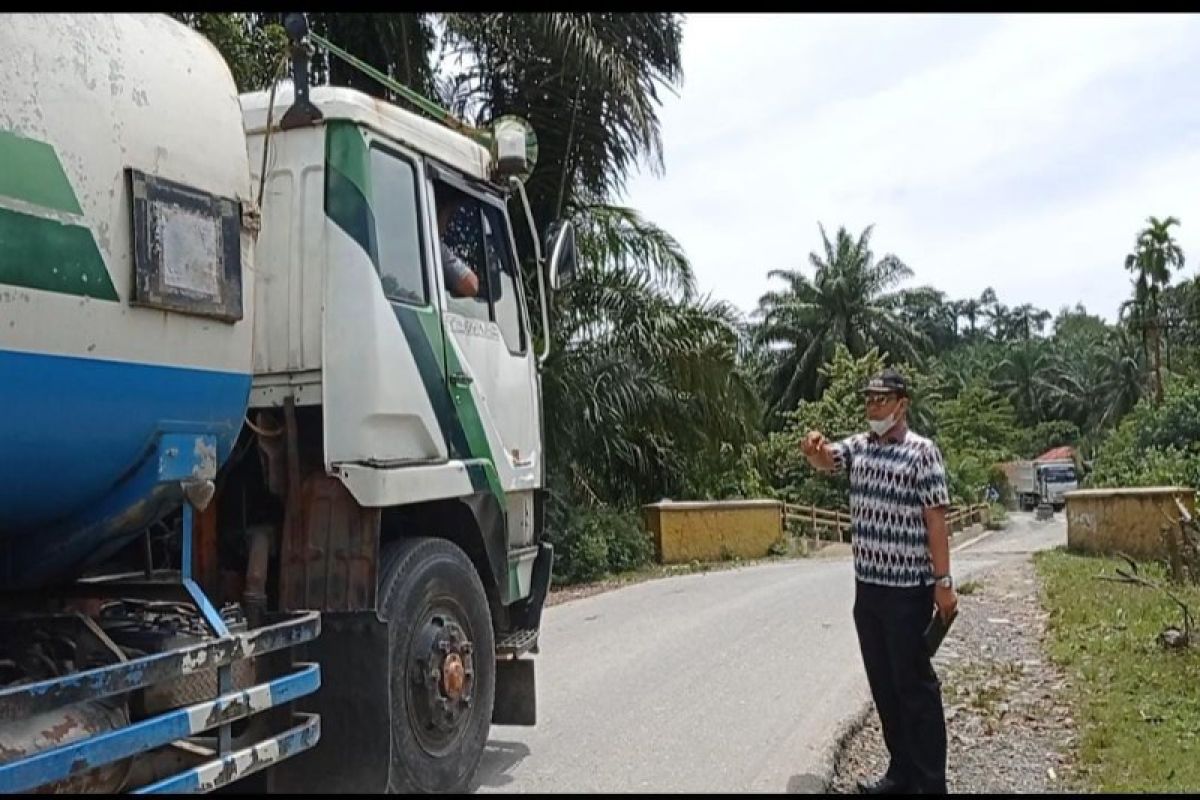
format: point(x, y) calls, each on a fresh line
point(851, 299)
point(1022, 377)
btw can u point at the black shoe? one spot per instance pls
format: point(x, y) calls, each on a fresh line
point(885, 785)
point(924, 790)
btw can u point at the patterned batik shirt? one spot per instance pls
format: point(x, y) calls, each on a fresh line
point(892, 481)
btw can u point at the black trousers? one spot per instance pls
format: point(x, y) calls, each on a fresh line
point(891, 625)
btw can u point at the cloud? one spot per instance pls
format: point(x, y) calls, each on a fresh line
point(1019, 152)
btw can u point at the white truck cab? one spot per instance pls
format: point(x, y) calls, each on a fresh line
point(393, 345)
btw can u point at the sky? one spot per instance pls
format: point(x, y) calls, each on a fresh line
point(1021, 152)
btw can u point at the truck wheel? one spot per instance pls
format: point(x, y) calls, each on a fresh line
point(443, 667)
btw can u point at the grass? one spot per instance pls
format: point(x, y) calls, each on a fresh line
point(969, 587)
point(1136, 704)
point(997, 517)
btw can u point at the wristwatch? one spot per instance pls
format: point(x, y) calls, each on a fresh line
point(945, 581)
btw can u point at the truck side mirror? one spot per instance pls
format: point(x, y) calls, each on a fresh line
point(560, 244)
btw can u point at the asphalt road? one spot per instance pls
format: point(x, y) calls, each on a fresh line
point(728, 681)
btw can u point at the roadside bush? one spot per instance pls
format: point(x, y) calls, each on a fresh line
point(591, 543)
point(629, 545)
point(1154, 445)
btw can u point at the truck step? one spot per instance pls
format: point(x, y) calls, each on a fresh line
point(517, 643)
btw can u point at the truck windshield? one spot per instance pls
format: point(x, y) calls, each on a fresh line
point(1059, 475)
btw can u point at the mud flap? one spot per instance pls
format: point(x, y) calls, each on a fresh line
point(354, 701)
point(516, 683)
point(516, 692)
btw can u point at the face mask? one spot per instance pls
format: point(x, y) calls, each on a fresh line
point(882, 426)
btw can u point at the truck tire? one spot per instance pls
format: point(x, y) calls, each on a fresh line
point(443, 665)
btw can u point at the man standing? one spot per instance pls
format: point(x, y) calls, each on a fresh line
point(898, 500)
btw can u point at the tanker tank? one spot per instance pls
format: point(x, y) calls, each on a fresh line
point(126, 282)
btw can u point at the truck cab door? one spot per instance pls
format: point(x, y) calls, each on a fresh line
point(384, 397)
point(491, 368)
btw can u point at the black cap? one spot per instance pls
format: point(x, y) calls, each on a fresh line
point(889, 381)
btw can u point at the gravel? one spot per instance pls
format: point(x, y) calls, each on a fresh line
point(1009, 726)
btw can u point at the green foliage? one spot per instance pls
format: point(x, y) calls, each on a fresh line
point(1047, 435)
point(975, 430)
point(1155, 445)
point(250, 45)
point(980, 420)
point(645, 399)
point(734, 475)
point(629, 546)
point(597, 542)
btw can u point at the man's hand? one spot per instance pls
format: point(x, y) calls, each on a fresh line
point(813, 443)
point(469, 285)
point(946, 600)
point(816, 449)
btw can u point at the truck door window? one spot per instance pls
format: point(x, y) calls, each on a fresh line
point(397, 228)
point(502, 271)
point(461, 252)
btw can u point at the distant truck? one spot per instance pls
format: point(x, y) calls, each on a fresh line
point(1038, 482)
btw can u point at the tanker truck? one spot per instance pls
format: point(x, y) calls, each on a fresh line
point(271, 440)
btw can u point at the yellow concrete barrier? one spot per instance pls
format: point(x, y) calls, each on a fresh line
point(1107, 521)
point(710, 531)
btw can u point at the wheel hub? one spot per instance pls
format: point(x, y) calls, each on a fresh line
point(443, 670)
point(454, 676)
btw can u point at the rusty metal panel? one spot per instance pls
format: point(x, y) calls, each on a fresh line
point(31, 736)
point(206, 564)
point(331, 555)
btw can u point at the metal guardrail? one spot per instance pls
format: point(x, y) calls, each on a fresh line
point(958, 515)
point(818, 519)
